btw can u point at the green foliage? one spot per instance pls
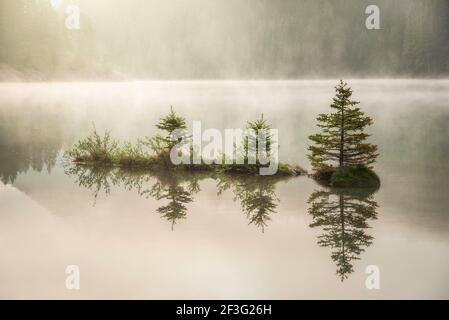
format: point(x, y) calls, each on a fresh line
point(95, 149)
point(359, 177)
point(252, 169)
point(293, 170)
point(342, 140)
point(133, 155)
point(262, 128)
point(259, 127)
point(172, 124)
point(154, 152)
point(156, 143)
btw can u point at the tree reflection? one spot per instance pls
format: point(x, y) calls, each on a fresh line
point(96, 179)
point(256, 194)
point(343, 216)
point(177, 190)
point(30, 138)
point(174, 188)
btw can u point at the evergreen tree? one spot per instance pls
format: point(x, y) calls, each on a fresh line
point(162, 144)
point(261, 129)
point(170, 124)
point(342, 141)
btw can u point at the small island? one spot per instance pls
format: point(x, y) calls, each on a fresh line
point(341, 157)
point(154, 153)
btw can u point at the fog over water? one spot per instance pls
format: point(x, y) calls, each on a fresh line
point(171, 235)
point(111, 224)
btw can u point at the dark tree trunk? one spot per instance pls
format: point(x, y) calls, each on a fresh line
point(342, 135)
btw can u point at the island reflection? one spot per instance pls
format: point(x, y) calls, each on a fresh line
point(342, 214)
point(176, 189)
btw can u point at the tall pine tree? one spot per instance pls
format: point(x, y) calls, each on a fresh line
point(342, 141)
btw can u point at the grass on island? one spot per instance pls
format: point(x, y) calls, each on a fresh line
point(153, 154)
point(352, 177)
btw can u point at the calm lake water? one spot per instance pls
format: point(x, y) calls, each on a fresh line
point(141, 235)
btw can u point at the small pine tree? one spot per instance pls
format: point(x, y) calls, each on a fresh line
point(260, 127)
point(342, 141)
point(170, 123)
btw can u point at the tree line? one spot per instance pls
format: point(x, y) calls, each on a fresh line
point(226, 39)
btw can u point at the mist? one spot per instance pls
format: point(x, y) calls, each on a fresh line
point(211, 39)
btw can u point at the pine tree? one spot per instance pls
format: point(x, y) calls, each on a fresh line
point(342, 141)
point(261, 129)
point(170, 123)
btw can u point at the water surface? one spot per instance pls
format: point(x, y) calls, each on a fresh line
point(154, 235)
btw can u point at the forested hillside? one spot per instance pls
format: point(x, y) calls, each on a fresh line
point(254, 39)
